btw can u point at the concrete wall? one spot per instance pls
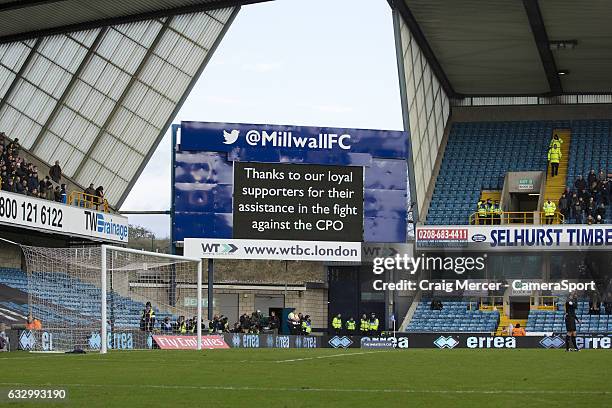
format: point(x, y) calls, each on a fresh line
point(527, 112)
point(269, 272)
point(425, 108)
point(10, 256)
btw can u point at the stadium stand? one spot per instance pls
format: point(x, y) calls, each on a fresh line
point(591, 148)
point(553, 320)
point(68, 295)
point(455, 316)
point(478, 155)
point(19, 174)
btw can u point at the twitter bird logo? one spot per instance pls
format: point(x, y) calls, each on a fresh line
point(230, 137)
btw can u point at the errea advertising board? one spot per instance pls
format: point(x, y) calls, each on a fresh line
point(49, 216)
point(514, 238)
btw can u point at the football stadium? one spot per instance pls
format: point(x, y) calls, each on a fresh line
point(462, 258)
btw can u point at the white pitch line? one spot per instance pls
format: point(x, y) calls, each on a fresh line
point(306, 389)
point(329, 356)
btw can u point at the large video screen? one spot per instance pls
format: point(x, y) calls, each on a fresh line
point(210, 157)
point(298, 202)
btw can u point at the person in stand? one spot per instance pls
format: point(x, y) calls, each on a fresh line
point(337, 324)
point(555, 140)
point(99, 197)
point(55, 172)
point(591, 180)
point(90, 196)
point(147, 319)
point(33, 323)
point(274, 323)
point(181, 326)
point(554, 157)
point(351, 326)
point(306, 326)
point(580, 183)
point(564, 205)
point(496, 213)
point(166, 326)
point(549, 211)
point(482, 212)
point(518, 330)
point(489, 207)
point(373, 325)
point(364, 325)
point(63, 194)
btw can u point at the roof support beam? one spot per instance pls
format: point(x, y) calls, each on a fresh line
point(419, 37)
point(73, 80)
point(121, 99)
point(149, 15)
point(534, 14)
point(21, 4)
point(20, 73)
point(178, 107)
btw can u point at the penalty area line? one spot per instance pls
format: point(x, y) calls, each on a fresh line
point(309, 389)
point(329, 356)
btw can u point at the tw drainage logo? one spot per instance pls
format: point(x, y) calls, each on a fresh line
point(104, 224)
point(218, 249)
point(446, 342)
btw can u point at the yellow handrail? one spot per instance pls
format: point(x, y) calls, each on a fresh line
point(82, 199)
point(491, 303)
point(543, 302)
point(513, 217)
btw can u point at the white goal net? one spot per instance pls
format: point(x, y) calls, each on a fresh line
point(139, 294)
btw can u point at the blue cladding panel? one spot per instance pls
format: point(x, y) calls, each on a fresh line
point(381, 229)
point(385, 203)
point(387, 175)
point(203, 180)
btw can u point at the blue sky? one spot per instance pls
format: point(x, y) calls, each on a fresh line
point(296, 62)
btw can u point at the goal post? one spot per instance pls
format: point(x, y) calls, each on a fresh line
point(104, 282)
point(99, 298)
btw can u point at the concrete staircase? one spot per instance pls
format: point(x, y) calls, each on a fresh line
point(555, 186)
point(504, 321)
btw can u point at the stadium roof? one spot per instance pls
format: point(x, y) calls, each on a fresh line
point(502, 47)
point(97, 87)
point(24, 19)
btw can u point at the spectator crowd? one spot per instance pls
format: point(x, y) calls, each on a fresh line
point(19, 176)
point(254, 323)
point(587, 202)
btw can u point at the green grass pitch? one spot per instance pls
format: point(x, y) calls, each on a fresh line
point(318, 378)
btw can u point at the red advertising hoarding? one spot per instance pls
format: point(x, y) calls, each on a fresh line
point(189, 342)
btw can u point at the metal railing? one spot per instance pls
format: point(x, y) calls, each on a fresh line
point(515, 217)
point(81, 199)
point(491, 303)
point(543, 302)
